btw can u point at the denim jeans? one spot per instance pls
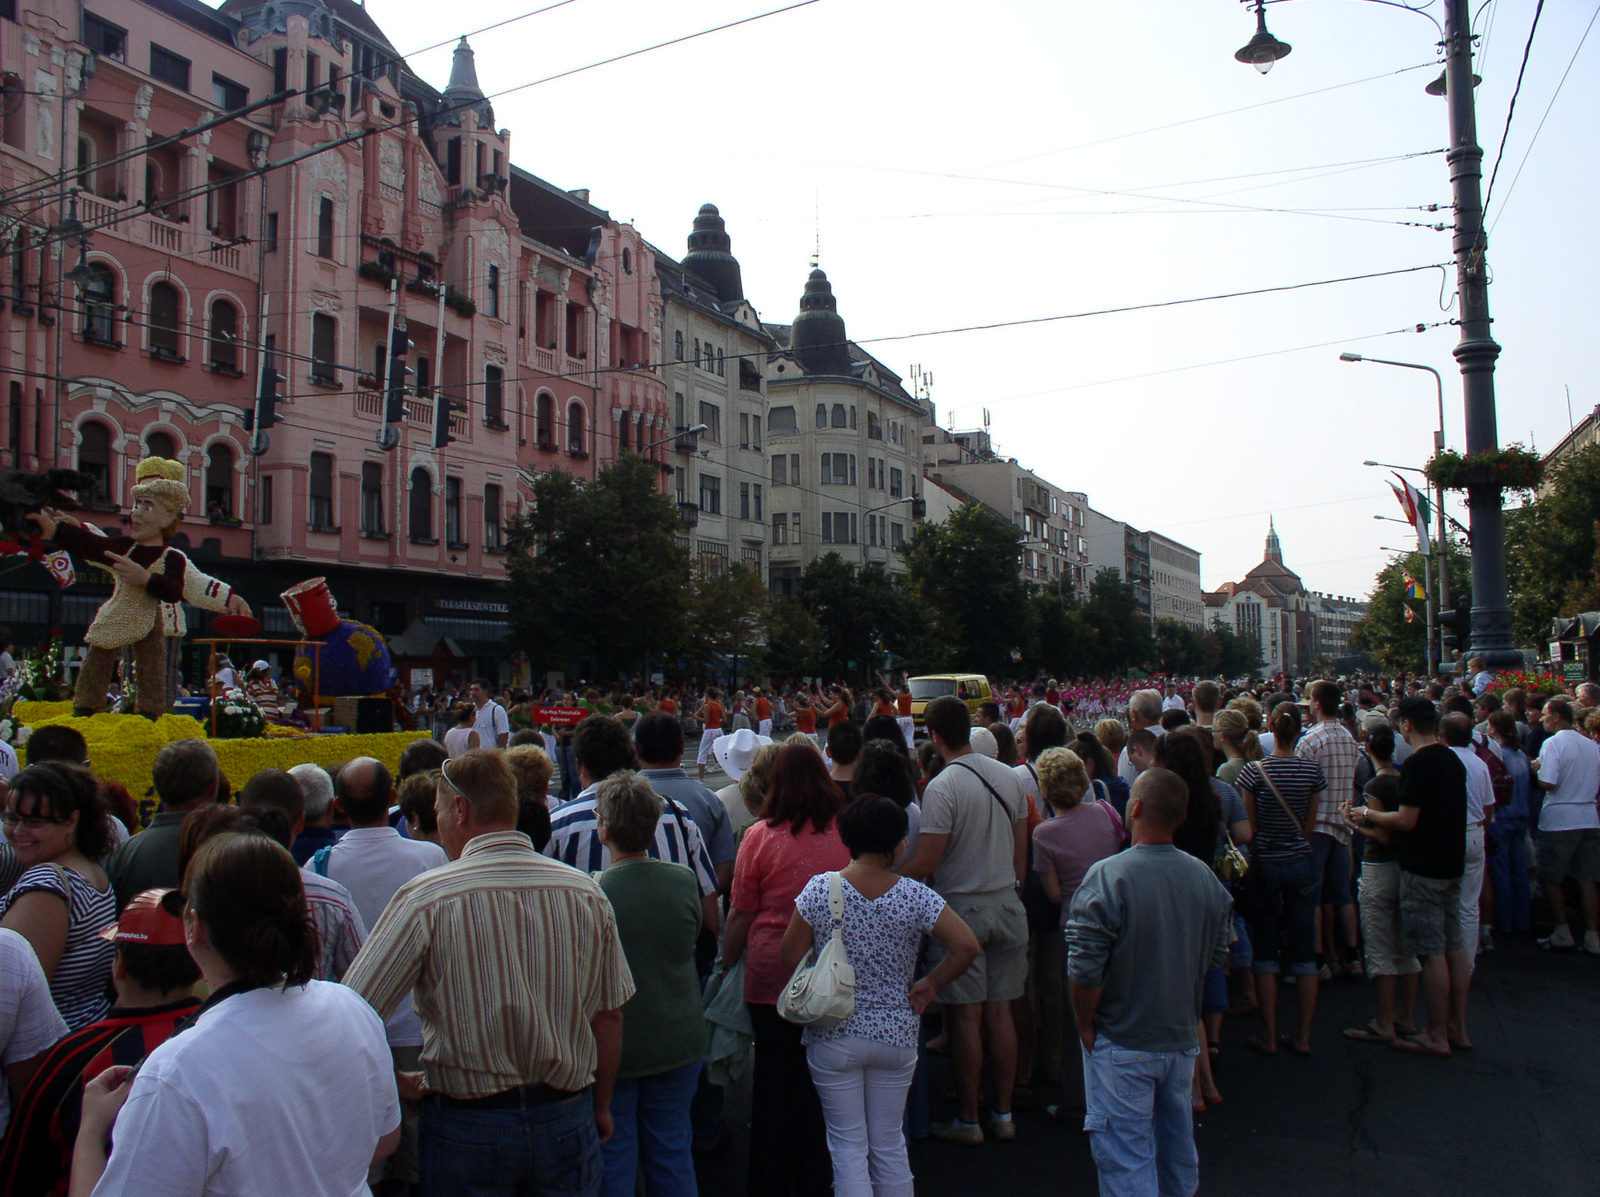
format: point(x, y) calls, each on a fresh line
point(549, 1150)
point(1508, 873)
point(1141, 1120)
point(567, 759)
point(863, 1084)
point(1286, 902)
point(651, 1117)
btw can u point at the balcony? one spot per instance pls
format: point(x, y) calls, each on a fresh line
point(164, 234)
point(686, 441)
point(545, 359)
point(689, 514)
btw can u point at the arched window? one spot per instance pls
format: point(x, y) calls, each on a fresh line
point(544, 420)
point(161, 444)
point(575, 430)
point(420, 515)
point(840, 417)
point(164, 321)
point(219, 481)
point(224, 336)
point(94, 459)
point(99, 305)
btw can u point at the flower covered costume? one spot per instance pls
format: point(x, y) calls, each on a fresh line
point(140, 616)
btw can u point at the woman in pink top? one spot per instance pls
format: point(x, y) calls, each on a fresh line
point(1065, 847)
point(793, 841)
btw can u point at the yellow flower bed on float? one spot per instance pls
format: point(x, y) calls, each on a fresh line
point(123, 748)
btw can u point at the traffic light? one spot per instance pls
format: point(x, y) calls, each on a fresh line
point(265, 413)
point(394, 407)
point(1457, 624)
point(919, 509)
point(442, 408)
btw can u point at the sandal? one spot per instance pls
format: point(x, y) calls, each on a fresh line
point(1417, 1048)
point(1368, 1034)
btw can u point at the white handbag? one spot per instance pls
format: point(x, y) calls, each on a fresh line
point(822, 991)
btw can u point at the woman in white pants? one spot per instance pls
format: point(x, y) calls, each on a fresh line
point(863, 1066)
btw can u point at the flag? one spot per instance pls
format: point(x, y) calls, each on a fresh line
point(1415, 505)
point(1411, 615)
point(1415, 589)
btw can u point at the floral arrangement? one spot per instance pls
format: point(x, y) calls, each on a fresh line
point(1511, 468)
point(1534, 683)
point(39, 675)
point(237, 718)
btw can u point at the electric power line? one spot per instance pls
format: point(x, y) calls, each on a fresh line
point(1511, 108)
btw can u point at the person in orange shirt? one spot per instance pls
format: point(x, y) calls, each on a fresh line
point(840, 710)
point(884, 704)
point(763, 713)
point(805, 716)
point(908, 727)
point(669, 703)
point(710, 716)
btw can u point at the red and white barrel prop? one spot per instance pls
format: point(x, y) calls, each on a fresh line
point(312, 607)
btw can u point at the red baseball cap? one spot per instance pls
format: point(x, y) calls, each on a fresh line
point(153, 918)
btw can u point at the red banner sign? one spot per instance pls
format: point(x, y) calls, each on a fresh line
point(559, 716)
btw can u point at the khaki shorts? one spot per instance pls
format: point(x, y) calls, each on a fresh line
point(1569, 854)
point(1430, 915)
point(1000, 973)
point(1380, 921)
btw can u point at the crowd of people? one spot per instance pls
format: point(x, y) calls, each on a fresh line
point(534, 958)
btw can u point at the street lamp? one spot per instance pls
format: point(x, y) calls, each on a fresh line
point(694, 431)
point(1263, 49)
point(1491, 636)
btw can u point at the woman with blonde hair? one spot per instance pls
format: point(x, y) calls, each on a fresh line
point(1112, 735)
point(1231, 732)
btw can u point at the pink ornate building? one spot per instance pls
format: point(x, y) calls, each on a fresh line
point(528, 307)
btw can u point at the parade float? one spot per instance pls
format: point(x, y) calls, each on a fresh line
point(333, 659)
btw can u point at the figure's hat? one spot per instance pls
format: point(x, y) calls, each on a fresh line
point(161, 480)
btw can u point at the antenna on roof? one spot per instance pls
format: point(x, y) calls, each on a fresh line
point(816, 216)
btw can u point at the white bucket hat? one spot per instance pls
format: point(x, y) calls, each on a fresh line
point(735, 753)
point(983, 741)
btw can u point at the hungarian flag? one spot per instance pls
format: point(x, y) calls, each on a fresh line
point(1415, 505)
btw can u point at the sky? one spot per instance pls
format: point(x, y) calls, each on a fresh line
point(958, 164)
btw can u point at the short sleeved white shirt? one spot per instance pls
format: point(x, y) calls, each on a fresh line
point(1572, 761)
point(29, 1020)
point(271, 1091)
point(491, 723)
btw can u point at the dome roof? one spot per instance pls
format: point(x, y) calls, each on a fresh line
point(818, 337)
point(710, 254)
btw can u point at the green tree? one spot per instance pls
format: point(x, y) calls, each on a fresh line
point(1398, 643)
point(1182, 649)
point(725, 620)
point(1122, 631)
point(1061, 642)
point(1236, 656)
point(597, 576)
point(1553, 547)
point(968, 573)
point(794, 639)
point(864, 615)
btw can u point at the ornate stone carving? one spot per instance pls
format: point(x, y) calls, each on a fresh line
point(391, 163)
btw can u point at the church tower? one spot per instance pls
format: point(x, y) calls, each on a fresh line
point(1274, 548)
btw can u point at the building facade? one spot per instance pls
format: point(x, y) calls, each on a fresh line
point(715, 375)
point(1175, 581)
point(849, 437)
point(1271, 606)
point(531, 321)
point(1054, 550)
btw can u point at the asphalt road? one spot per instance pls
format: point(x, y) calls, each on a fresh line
point(1516, 1115)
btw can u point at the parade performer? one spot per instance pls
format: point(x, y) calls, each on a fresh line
point(153, 581)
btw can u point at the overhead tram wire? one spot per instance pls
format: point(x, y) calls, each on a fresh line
point(383, 128)
point(1578, 49)
point(1511, 110)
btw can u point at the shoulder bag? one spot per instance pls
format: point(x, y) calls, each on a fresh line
point(1261, 767)
point(822, 992)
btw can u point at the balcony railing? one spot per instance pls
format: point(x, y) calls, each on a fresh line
point(544, 359)
point(689, 513)
point(164, 235)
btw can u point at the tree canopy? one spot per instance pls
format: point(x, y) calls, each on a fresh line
point(597, 577)
point(968, 573)
point(1553, 547)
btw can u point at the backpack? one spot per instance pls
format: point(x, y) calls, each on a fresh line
point(1499, 775)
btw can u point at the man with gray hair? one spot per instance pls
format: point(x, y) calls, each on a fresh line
point(520, 1045)
point(1144, 710)
point(185, 776)
point(316, 783)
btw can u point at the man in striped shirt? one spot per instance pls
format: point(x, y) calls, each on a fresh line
point(518, 975)
point(603, 747)
point(1335, 749)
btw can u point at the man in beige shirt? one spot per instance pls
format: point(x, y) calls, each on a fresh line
point(518, 976)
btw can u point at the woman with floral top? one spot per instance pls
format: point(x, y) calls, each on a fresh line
point(863, 1066)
